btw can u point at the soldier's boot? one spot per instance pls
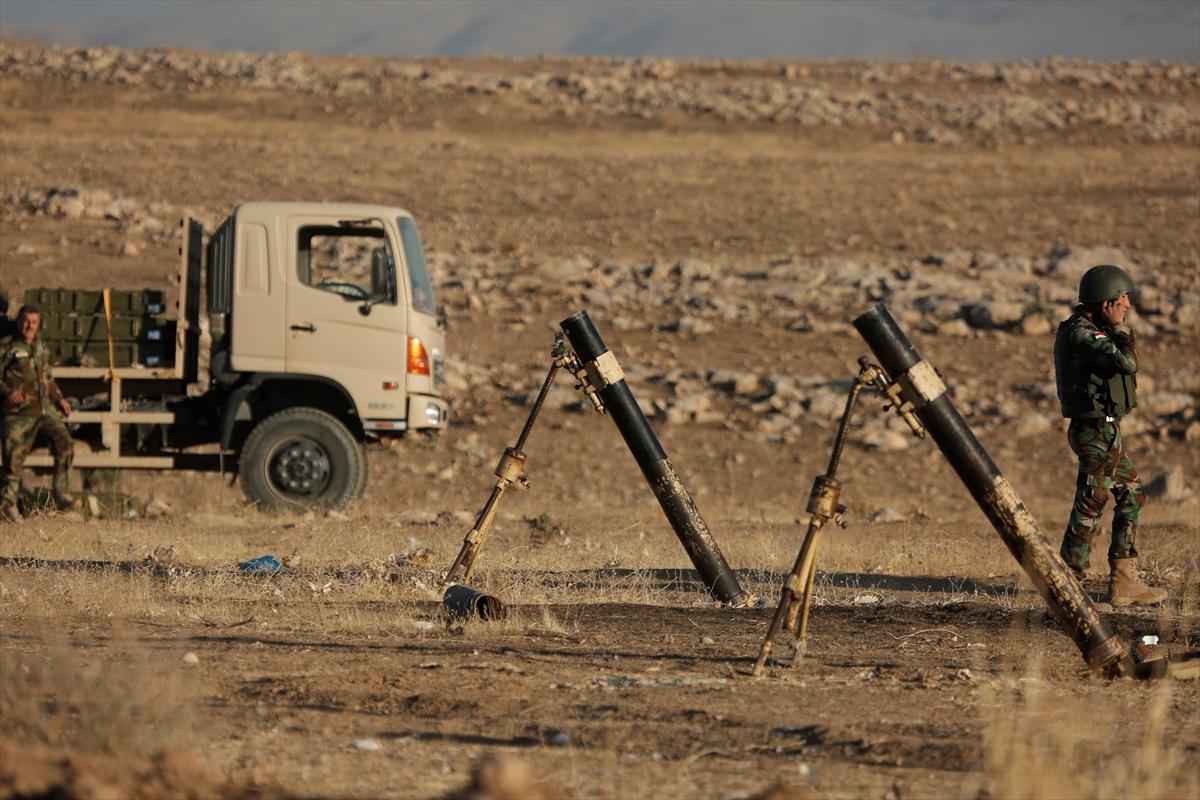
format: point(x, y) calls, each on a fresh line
point(1126, 589)
point(10, 513)
point(66, 502)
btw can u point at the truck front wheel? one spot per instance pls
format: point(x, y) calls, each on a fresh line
point(301, 458)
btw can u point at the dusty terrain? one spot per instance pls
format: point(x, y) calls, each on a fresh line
point(722, 223)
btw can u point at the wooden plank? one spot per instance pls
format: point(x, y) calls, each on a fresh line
point(125, 417)
point(128, 373)
point(102, 459)
point(187, 332)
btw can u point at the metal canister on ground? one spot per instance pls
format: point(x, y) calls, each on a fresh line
point(467, 602)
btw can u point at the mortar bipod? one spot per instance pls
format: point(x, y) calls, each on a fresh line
point(511, 467)
point(795, 598)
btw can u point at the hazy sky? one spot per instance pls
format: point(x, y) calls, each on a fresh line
point(814, 29)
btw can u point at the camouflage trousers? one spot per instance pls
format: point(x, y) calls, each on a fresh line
point(17, 436)
point(1104, 469)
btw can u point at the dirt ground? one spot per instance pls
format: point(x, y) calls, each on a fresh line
point(930, 671)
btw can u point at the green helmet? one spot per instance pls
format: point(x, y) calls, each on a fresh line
point(1104, 282)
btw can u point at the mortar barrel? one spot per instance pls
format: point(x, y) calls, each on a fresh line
point(676, 503)
point(996, 498)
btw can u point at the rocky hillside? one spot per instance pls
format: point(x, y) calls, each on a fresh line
point(723, 221)
point(933, 102)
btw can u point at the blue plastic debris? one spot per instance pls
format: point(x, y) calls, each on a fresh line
point(260, 564)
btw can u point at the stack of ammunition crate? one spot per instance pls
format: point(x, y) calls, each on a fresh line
point(76, 331)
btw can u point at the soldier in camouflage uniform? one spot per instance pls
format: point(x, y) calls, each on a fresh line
point(1095, 365)
point(32, 404)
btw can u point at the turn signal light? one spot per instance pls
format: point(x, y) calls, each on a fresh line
point(418, 359)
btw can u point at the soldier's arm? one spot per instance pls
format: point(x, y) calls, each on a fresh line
point(8, 377)
point(1106, 350)
point(56, 395)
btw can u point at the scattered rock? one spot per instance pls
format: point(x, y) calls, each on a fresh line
point(191, 659)
point(887, 440)
point(1145, 102)
point(504, 777)
point(157, 509)
point(1171, 485)
point(1032, 424)
point(954, 327)
point(1035, 325)
point(885, 514)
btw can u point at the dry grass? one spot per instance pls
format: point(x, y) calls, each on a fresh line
point(65, 696)
point(627, 555)
point(1040, 744)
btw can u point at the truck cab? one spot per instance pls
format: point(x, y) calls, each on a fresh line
point(328, 308)
point(338, 294)
point(324, 334)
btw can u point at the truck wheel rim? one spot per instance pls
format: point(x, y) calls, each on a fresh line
point(299, 467)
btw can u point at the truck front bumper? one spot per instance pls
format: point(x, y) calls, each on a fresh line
point(426, 412)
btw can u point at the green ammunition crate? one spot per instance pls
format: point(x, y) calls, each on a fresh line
point(91, 301)
point(73, 328)
point(124, 329)
point(125, 354)
point(56, 327)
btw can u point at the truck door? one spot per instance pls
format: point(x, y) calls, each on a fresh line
point(346, 315)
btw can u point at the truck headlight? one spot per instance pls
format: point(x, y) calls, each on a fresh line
point(433, 414)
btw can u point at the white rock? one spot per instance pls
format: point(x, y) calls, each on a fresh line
point(1165, 404)
point(191, 659)
point(1170, 485)
point(885, 514)
point(954, 327)
point(887, 441)
point(739, 383)
point(1035, 325)
point(1034, 424)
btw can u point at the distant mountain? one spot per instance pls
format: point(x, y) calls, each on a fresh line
point(816, 29)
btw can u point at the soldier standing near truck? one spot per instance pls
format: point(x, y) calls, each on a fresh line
point(1095, 364)
point(32, 404)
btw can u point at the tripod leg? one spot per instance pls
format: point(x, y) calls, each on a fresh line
point(473, 542)
point(806, 603)
point(808, 554)
point(764, 651)
point(787, 599)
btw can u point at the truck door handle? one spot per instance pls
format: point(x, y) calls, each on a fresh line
point(306, 327)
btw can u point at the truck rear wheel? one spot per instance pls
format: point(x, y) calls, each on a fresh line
point(301, 458)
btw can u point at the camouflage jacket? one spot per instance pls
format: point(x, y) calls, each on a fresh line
point(27, 367)
point(1095, 368)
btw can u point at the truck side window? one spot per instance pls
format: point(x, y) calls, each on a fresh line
point(352, 262)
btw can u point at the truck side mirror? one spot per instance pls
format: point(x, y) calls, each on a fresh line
point(442, 320)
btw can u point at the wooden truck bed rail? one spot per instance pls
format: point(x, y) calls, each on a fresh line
point(178, 375)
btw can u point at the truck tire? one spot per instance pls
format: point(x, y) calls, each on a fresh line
point(365, 473)
point(301, 458)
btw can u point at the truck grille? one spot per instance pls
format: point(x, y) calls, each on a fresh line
point(439, 368)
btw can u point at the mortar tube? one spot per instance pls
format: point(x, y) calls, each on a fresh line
point(676, 503)
point(1101, 648)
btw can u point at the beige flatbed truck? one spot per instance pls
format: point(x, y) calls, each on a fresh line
point(322, 334)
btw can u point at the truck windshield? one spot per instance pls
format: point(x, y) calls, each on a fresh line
point(418, 273)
